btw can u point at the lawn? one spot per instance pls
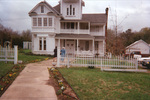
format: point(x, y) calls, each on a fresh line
point(92, 84)
point(4, 68)
point(25, 56)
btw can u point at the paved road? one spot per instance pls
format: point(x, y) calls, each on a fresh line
point(32, 84)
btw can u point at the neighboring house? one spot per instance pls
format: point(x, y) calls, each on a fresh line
point(65, 26)
point(139, 45)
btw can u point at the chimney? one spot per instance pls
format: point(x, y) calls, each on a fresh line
point(106, 26)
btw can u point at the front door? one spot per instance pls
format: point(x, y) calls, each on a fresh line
point(70, 46)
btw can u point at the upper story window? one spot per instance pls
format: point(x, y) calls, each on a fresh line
point(45, 22)
point(39, 21)
point(95, 28)
point(42, 9)
point(50, 21)
point(73, 11)
point(67, 11)
point(70, 9)
point(42, 21)
point(34, 21)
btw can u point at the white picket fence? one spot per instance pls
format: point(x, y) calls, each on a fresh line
point(9, 54)
point(115, 63)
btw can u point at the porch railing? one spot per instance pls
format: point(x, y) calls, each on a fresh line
point(75, 31)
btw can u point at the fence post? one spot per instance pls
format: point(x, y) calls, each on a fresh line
point(15, 54)
point(58, 53)
point(68, 65)
point(136, 64)
point(5, 50)
point(101, 65)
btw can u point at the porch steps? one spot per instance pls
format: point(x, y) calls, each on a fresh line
point(125, 70)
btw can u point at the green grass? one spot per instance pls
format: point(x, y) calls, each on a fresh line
point(22, 55)
point(5, 68)
point(92, 84)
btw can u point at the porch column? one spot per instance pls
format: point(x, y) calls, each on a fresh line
point(93, 47)
point(58, 53)
point(103, 47)
point(89, 28)
point(78, 27)
point(77, 46)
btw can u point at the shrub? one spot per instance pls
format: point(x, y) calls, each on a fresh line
point(91, 66)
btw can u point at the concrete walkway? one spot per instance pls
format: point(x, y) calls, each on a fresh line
point(31, 84)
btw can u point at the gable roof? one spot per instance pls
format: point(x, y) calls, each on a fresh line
point(136, 42)
point(44, 3)
point(57, 8)
point(92, 18)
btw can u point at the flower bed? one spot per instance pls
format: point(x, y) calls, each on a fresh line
point(6, 81)
point(62, 88)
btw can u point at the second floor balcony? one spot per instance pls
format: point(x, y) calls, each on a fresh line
point(75, 27)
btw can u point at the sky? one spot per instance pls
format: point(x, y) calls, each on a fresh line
point(125, 14)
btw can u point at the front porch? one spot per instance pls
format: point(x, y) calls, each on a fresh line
point(80, 45)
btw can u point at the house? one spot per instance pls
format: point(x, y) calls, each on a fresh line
point(139, 45)
point(64, 25)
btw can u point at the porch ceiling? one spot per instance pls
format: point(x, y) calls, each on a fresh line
point(74, 36)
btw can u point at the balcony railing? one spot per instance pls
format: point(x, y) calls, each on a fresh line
point(100, 33)
point(74, 31)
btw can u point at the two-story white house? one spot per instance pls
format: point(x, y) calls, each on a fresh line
point(64, 25)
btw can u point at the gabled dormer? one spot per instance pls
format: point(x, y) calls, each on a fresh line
point(43, 8)
point(71, 9)
point(44, 17)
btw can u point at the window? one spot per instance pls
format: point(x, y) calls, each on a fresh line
point(50, 21)
point(42, 9)
point(39, 21)
point(84, 26)
point(42, 21)
point(34, 21)
point(45, 22)
point(86, 45)
point(72, 25)
point(73, 11)
point(64, 42)
point(95, 28)
point(67, 11)
point(96, 45)
point(70, 9)
point(42, 43)
point(68, 25)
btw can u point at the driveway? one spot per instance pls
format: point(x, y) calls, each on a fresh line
point(32, 84)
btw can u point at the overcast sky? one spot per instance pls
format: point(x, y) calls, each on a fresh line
point(133, 14)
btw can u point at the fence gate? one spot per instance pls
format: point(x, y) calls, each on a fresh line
point(9, 54)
